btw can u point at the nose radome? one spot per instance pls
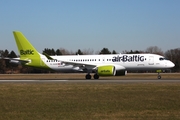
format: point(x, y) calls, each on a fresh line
point(171, 64)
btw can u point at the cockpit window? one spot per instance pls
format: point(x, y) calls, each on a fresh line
point(162, 59)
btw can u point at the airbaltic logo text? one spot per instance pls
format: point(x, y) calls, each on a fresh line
point(26, 52)
point(128, 58)
point(104, 71)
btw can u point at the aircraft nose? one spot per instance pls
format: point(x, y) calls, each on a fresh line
point(171, 64)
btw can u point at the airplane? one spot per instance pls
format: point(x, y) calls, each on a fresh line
point(100, 65)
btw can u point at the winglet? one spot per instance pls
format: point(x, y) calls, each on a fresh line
point(48, 57)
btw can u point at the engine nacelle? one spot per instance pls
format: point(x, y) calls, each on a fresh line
point(111, 70)
point(121, 72)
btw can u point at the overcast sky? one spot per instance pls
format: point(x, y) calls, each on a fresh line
point(91, 24)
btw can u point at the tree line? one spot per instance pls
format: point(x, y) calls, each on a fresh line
point(7, 67)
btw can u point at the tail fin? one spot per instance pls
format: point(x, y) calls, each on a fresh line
point(28, 54)
point(25, 48)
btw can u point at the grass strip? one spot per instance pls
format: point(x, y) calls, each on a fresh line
point(90, 101)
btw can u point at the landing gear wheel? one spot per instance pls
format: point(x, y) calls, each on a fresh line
point(159, 76)
point(96, 76)
point(88, 76)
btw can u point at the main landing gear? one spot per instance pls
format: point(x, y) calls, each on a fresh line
point(95, 76)
point(88, 76)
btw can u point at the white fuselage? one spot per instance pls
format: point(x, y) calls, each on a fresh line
point(128, 61)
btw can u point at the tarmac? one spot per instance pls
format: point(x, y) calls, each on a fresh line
point(91, 81)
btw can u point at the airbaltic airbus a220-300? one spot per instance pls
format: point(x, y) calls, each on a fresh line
point(101, 65)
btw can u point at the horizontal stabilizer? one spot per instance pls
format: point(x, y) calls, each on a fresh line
point(16, 59)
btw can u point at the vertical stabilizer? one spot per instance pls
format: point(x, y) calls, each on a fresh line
point(25, 48)
point(28, 53)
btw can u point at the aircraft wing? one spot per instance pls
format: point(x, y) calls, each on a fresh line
point(78, 64)
point(75, 64)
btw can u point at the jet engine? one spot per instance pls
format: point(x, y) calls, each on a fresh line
point(111, 70)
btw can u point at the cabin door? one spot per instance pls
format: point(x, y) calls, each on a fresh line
point(151, 60)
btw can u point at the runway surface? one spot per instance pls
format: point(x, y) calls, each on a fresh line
point(89, 81)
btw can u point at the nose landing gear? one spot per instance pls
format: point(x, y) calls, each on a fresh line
point(159, 76)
